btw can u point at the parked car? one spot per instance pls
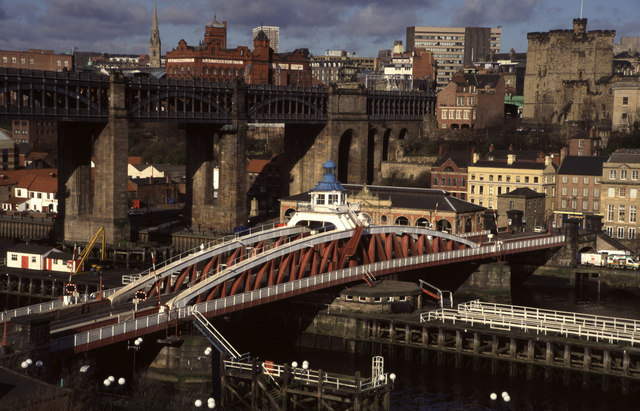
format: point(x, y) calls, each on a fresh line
point(539, 229)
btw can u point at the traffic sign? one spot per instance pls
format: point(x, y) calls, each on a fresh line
point(70, 288)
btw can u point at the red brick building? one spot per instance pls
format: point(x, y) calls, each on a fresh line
point(213, 61)
point(34, 59)
point(471, 100)
point(449, 172)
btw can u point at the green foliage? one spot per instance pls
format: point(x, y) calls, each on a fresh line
point(155, 148)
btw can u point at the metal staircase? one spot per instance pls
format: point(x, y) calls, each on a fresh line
point(213, 336)
point(444, 298)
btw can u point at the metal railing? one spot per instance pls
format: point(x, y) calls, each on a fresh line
point(230, 303)
point(503, 317)
point(214, 336)
point(313, 377)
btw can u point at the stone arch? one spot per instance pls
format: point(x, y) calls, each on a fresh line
point(385, 145)
point(373, 166)
point(443, 225)
point(468, 225)
point(402, 220)
point(403, 134)
point(344, 148)
point(422, 222)
point(288, 214)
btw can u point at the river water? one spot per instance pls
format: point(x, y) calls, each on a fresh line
point(432, 387)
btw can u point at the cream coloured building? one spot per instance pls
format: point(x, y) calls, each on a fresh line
point(626, 104)
point(492, 177)
point(619, 194)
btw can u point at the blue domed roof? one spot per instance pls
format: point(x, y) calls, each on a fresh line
point(329, 164)
point(329, 181)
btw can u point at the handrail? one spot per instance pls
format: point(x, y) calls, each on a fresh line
point(226, 304)
point(221, 342)
point(545, 324)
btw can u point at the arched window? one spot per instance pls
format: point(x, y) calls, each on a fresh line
point(402, 220)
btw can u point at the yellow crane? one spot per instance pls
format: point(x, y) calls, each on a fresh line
point(85, 251)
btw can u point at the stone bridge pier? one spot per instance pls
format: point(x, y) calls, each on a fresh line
point(85, 207)
point(355, 142)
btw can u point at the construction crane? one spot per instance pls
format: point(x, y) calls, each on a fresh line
point(86, 250)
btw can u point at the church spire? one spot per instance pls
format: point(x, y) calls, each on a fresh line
point(154, 44)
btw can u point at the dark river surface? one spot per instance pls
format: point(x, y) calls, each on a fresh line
point(432, 387)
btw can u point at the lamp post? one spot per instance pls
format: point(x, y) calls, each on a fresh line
point(111, 381)
point(137, 343)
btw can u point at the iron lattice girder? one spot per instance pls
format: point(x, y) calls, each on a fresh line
point(76, 96)
point(330, 256)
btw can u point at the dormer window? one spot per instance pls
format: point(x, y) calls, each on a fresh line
point(320, 199)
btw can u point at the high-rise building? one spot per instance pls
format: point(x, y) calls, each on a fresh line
point(273, 34)
point(154, 44)
point(454, 47)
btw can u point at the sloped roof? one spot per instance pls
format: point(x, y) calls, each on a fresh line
point(45, 184)
point(256, 165)
point(582, 165)
point(31, 249)
point(525, 192)
point(134, 160)
point(12, 177)
point(527, 165)
point(462, 158)
point(410, 198)
point(482, 80)
point(625, 155)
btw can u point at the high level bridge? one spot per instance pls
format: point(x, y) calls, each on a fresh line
point(358, 128)
point(271, 265)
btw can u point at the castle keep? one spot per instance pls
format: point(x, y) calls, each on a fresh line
point(569, 75)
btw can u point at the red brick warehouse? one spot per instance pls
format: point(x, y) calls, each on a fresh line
point(213, 61)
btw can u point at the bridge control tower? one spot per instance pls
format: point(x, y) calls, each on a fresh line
point(329, 208)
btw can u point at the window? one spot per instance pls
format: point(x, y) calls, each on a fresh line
point(585, 192)
point(435, 181)
point(490, 191)
point(4, 59)
point(500, 177)
point(33, 259)
point(620, 232)
point(612, 192)
point(58, 63)
point(564, 203)
point(466, 114)
point(633, 193)
point(575, 180)
point(585, 180)
point(444, 114)
point(564, 191)
point(442, 181)
point(622, 191)
point(32, 62)
point(585, 205)
point(22, 60)
point(621, 213)
point(612, 174)
point(517, 179)
point(14, 257)
point(459, 101)
point(564, 179)
point(634, 174)
point(625, 101)
point(596, 205)
point(535, 180)
point(526, 179)
point(452, 114)
point(14, 60)
point(470, 101)
point(632, 214)
point(481, 188)
point(610, 212)
point(574, 191)
point(596, 192)
point(609, 231)
point(462, 182)
point(623, 174)
point(632, 233)
point(454, 182)
point(458, 114)
point(490, 177)
point(573, 204)
point(320, 199)
point(473, 189)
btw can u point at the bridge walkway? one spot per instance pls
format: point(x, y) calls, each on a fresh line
point(506, 317)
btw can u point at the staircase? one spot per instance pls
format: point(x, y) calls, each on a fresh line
point(213, 336)
point(444, 298)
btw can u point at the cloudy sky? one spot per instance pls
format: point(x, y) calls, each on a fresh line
point(360, 26)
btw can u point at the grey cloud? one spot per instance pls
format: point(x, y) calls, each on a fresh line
point(496, 12)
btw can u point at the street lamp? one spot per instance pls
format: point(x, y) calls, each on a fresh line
point(135, 347)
